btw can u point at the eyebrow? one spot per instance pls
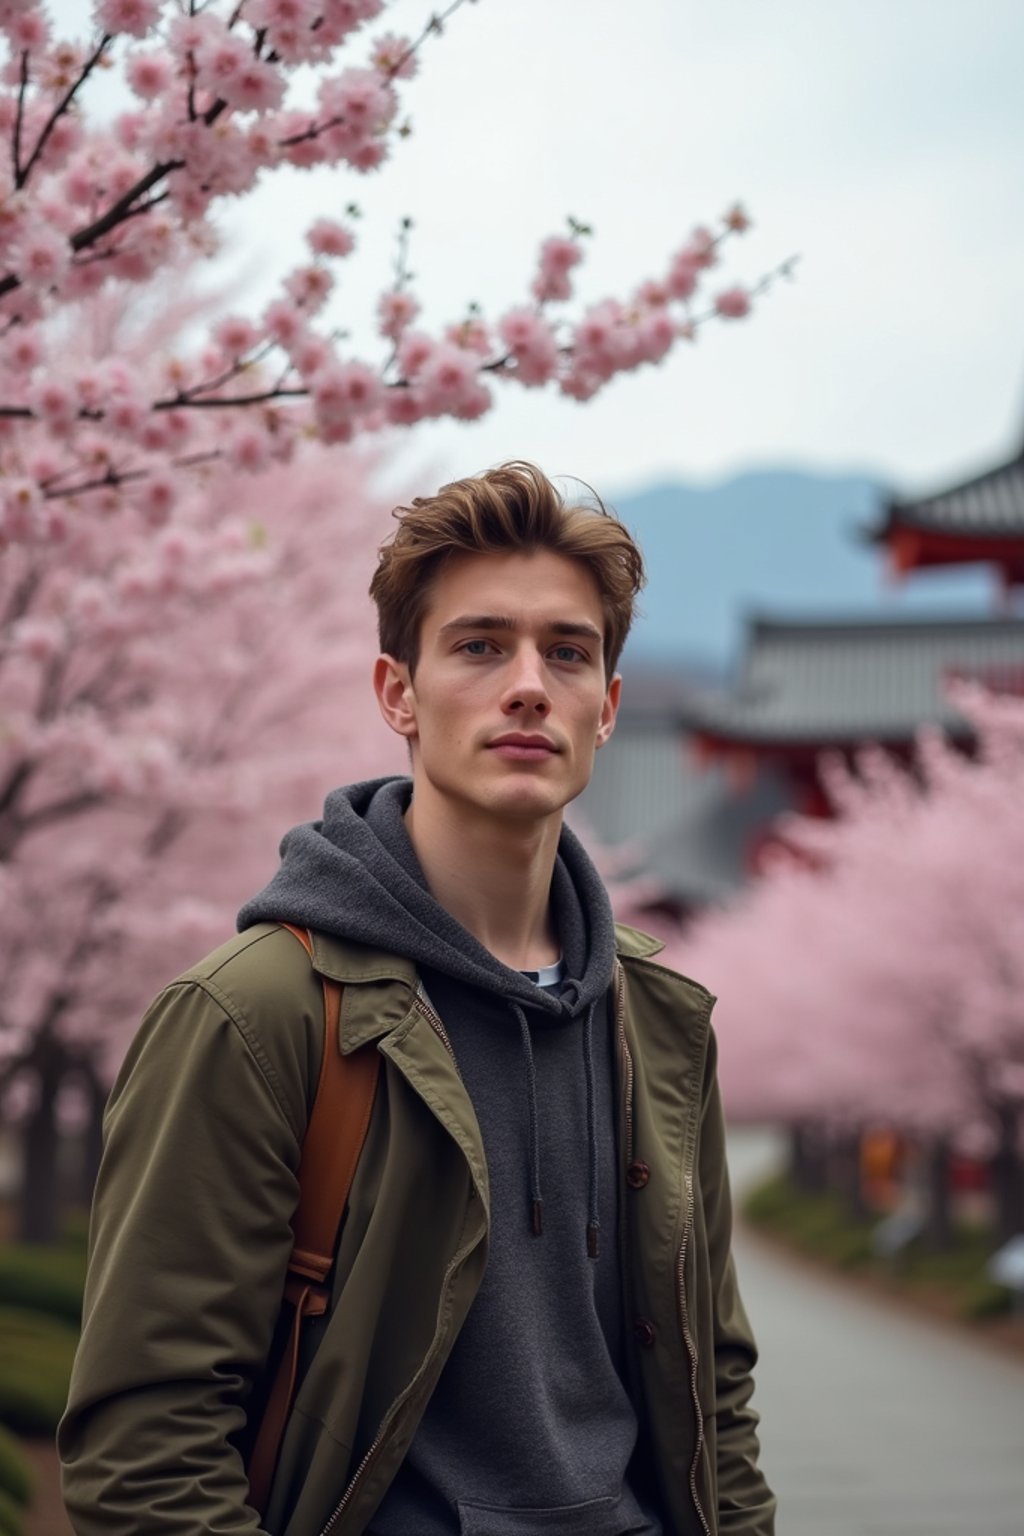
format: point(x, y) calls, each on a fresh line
point(578, 628)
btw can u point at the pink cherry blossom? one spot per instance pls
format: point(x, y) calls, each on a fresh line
point(736, 218)
point(256, 87)
point(157, 496)
point(414, 351)
point(149, 74)
point(28, 32)
point(283, 13)
point(329, 238)
point(395, 312)
point(703, 247)
point(135, 17)
point(248, 450)
point(560, 254)
point(283, 321)
point(473, 334)
point(447, 378)
point(236, 335)
point(532, 343)
point(551, 287)
point(683, 275)
point(41, 257)
point(53, 400)
point(24, 349)
point(733, 303)
point(405, 406)
point(39, 639)
point(309, 287)
point(393, 56)
point(20, 506)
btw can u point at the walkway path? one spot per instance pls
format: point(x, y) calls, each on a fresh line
point(875, 1423)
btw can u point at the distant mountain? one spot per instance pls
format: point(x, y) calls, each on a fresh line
point(776, 541)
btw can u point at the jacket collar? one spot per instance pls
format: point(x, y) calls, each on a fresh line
point(381, 984)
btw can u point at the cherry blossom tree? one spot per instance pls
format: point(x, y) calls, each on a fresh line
point(220, 98)
point(173, 699)
point(876, 974)
point(184, 532)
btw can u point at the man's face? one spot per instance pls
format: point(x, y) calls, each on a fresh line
point(509, 701)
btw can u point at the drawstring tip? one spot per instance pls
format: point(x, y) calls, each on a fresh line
point(537, 1217)
point(592, 1239)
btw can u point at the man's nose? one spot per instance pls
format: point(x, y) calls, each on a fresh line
point(527, 687)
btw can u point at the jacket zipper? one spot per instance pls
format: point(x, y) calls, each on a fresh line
point(422, 1006)
point(387, 1423)
point(691, 1349)
point(627, 1059)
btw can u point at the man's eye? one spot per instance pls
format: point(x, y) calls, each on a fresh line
point(476, 647)
point(568, 653)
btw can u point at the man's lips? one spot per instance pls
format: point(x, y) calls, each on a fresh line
point(523, 748)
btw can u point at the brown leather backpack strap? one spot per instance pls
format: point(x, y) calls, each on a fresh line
point(331, 1147)
point(334, 1139)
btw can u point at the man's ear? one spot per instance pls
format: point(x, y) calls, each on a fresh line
point(396, 697)
point(609, 710)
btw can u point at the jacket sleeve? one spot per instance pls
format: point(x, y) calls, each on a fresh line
point(189, 1244)
point(746, 1505)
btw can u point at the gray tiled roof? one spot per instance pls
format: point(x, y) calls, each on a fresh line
point(836, 683)
point(685, 825)
point(990, 505)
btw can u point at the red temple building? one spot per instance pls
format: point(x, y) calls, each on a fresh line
point(694, 781)
point(811, 686)
point(980, 520)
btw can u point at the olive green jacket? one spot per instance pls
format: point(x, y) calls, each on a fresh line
point(190, 1240)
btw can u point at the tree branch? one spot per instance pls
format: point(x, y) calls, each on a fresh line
point(20, 118)
point(69, 95)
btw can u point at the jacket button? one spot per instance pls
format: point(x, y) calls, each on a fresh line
point(637, 1175)
point(643, 1332)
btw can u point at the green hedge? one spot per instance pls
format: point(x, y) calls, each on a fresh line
point(49, 1280)
point(820, 1225)
point(35, 1366)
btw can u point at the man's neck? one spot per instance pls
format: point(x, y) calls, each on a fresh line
point(493, 877)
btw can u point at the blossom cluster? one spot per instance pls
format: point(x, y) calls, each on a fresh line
point(89, 206)
point(874, 975)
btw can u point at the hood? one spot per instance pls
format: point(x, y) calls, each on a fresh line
point(354, 874)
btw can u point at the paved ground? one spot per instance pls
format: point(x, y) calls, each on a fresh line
point(875, 1423)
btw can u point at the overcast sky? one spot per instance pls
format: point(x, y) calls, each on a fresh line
point(882, 140)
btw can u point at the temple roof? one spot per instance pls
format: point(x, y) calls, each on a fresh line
point(688, 827)
point(989, 506)
point(809, 683)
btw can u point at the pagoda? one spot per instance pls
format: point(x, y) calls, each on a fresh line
point(693, 783)
point(979, 521)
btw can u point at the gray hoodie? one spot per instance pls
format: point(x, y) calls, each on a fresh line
point(531, 1428)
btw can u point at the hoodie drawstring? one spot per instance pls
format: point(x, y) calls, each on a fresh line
point(536, 1198)
point(593, 1223)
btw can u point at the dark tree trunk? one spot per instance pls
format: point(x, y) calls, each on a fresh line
point(938, 1221)
point(846, 1176)
point(1008, 1176)
point(39, 1214)
point(807, 1167)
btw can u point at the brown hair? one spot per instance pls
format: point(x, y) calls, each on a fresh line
point(512, 507)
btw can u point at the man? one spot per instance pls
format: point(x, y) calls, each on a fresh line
point(535, 1324)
